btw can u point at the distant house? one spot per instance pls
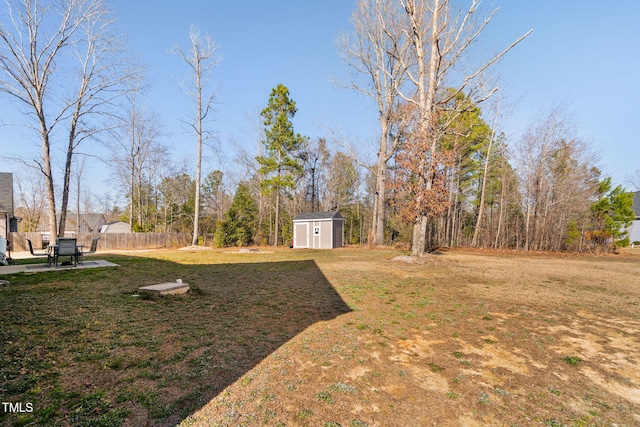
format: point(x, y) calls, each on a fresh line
point(116, 227)
point(634, 231)
point(6, 203)
point(318, 230)
point(85, 223)
point(74, 223)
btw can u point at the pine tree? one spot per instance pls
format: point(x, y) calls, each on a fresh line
point(612, 215)
point(239, 225)
point(279, 165)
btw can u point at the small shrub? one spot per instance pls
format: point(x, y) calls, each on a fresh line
point(555, 391)
point(484, 398)
point(434, 367)
point(325, 396)
point(305, 414)
point(342, 387)
point(572, 360)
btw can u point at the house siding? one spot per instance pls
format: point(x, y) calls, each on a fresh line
point(4, 225)
point(116, 227)
point(6, 192)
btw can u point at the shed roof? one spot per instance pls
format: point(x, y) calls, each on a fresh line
point(636, 203)
point(6, 192)
point(305, 216)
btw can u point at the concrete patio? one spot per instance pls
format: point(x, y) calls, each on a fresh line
point(39, 268)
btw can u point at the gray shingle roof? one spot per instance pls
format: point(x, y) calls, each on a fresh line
point(636, 203)
point(318, 215)
point(6, 192)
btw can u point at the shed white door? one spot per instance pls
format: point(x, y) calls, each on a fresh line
point(301, 235)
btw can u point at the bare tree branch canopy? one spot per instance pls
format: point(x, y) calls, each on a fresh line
point(440, 38)
point(201, 59)
point(372, 51)
point(633, 180)
point(134, 143)
point(41, 44)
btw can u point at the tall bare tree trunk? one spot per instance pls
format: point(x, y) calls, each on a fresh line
point(196, 214)
point(48, 179)
point(426, 89)
point(202, 59)
point(485, 173)
point(377, 226)
point(371, 53)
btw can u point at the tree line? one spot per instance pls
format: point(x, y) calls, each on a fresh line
point(442, 174)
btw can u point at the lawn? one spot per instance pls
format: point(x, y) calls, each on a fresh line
point(326, 338)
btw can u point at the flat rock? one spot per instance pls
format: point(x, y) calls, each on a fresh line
point(171, 288)
point(248, 250)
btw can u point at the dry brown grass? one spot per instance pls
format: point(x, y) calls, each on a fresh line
point(328, 338)
point(465, 339)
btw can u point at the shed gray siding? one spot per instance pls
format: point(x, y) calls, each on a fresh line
point(634, 231)
point(338, 234)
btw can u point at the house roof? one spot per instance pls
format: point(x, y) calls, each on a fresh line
point(6, 192)
point(636, 203)
point(305, 216)
point(88, 222)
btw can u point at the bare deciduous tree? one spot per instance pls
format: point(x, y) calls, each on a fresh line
point(201, 60)
point(32, 200)
point(41, 44)
point(103, 74)
point(558, 181)
point(135, 142)
point(373, 51)
point(440, 38)
point(633, 180)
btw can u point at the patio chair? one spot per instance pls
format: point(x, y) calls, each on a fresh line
point(67, 247)
point(40, 254)
point(94, 246)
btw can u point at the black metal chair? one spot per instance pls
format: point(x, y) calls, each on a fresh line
point(47, 254)
point(66, 247)
point(94, 247)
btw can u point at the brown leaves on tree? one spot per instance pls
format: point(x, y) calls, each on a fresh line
point(420, 180)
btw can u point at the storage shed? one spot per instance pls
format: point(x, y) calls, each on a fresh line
point(318, 230)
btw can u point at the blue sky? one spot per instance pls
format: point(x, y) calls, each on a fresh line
point(582, 54)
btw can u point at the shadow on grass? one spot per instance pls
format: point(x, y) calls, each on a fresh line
point(82, 348)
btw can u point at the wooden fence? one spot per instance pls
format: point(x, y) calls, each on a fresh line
point(107, 240)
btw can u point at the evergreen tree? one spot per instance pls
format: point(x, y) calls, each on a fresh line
point(239, 224)
point(279, 166)
point(612, 215)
